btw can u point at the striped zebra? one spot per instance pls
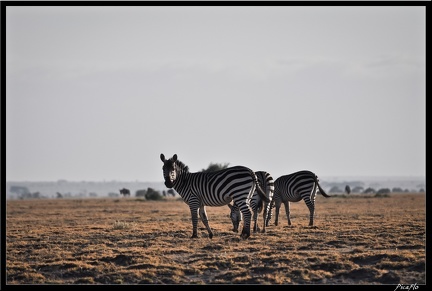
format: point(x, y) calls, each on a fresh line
point(218, 188)
point(256, 204)
point(293, 188)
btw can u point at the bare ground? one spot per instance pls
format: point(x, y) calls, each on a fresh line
point(357, 239)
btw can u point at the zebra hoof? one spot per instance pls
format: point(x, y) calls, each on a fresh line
point(245, 235)
point(210, 235)
point(194, 236)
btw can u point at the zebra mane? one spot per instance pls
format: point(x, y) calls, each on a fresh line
point(182, 166)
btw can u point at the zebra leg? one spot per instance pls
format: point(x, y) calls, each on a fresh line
point(194, 215)
point(246, 219)
point(266, 206)
point(203, 215)
point(255, 218)
point(311, 205)
point(311, 218)
point(269, 213)
point(235, 216)
point(287, 210)
point(277, 208)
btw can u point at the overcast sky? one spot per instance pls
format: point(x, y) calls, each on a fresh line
point(98, 93)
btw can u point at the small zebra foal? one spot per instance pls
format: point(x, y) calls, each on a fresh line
point(218, 188)
point(293, 188)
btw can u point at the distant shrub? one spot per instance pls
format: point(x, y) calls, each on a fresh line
point(152, 194)
point(383, 191)
point(357, 189)
point(149, 194)
point(369, 190)
point(347, 189)
point(215, 167)
point(140, 193)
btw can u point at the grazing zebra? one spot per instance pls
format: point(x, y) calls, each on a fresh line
point(257, 205)
point(218, 188)
point(125, 192)
point(293, 188)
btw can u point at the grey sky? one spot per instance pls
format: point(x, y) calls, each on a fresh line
point(97, 93)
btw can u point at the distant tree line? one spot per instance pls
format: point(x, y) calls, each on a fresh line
point(370, 190)
point(152, 194)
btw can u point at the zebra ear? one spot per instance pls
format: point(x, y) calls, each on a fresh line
point(162, 157)
point(174, 158)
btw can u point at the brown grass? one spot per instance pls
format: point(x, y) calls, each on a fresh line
point(358, 239)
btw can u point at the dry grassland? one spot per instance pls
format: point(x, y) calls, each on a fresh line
point(358, 239)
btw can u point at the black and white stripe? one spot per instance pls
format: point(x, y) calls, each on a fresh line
point(218, 188)
point(256, 203)
point(293, 188)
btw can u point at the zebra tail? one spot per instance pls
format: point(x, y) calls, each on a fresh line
point(323, 193)
point(261, 192)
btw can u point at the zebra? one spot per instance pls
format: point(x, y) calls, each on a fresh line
point(218, 188)
point(293, 188)
point(125, 192)
point(257, 205)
